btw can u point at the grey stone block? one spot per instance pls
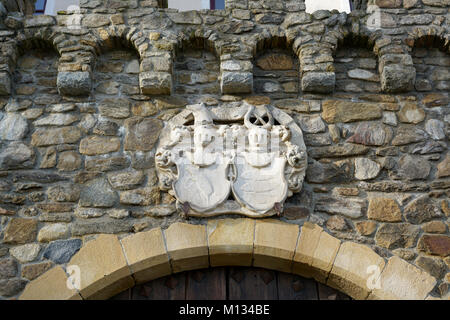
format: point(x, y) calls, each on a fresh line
point(74, 83)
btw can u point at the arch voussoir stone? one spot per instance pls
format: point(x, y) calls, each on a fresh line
point(108, 265)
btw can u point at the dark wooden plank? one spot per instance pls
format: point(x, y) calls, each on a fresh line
point(294, 287)
point(252, 284)
point(327, 293)
point(207, 284)
point(172, 287)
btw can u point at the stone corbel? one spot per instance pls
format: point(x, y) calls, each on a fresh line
point(74, 83)
point(155, 76)
point(316, 69)
point(236, 76)
point(397, 72)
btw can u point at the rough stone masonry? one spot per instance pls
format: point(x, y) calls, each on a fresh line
point(85, 94)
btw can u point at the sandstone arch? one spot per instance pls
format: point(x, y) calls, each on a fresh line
point(109, 265)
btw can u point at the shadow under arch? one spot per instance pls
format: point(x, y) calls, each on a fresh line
point(108, 265)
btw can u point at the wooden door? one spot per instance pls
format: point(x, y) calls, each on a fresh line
point(232, 283)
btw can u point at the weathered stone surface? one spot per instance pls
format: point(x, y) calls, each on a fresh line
point(349, 208)
point(96, 145)
point(335, 111)
point(274, 244)
point(413, 168)
point(20, 231)
point(366, 169)
point(421, 210)
point(236, 82)
point(397, 235)
point(64, 193)
point(107, 164)
point(366, 228)
point(87, 213)
point(96, 227)
point(98, 194)
point(397, 78)
point(230, 242)
point(141, 134)
point(13, 127)
point(384, 209)
point(275, 62)
point(443, 168)
point(16, 156)
point(411, 113)
point(58, 119)
point(369, 134)
point(407, 134)
point(53, 231)
point(5, 84)
point(186, 17)
point(146, 255)
point(434, 227)
point(69, 161)
point(117, 108)
point(155, 83)
point(435, 244)
point(318, 172)
point(25, 253)
point(11, 287)
point(337, 151)
point(62, 251)
point(46, 137)
point(337, 223)
point(103, 266)
point(32, 271)
point(8, 268)
point(435, 267)
point(435, 100)
point(401, 280)
point(319, 82)
point(126, 180)
point(350, 269)
point(74, 83)
point(190, 251)
point(52, 285)
point(140, 197)
point(435, 128)
point(311, 124)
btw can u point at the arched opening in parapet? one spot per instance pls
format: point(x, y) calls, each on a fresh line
point(232, 283)
point(35, 73)
point(196, 71)
point(431, 59)
point(356, 66)
point(276, 69)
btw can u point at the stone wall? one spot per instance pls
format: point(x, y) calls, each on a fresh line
point(86, 94)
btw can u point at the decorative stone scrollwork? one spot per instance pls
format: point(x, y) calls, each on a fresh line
point(246, 160)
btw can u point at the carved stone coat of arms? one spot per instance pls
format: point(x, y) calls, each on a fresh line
point(245, 160)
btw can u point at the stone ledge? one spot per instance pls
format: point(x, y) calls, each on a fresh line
point(318, 82)
point(146, 255)
point(104, 269)
point(52, 285)
point(236, 82)
point(74, 83)
point(187, 246)
point(274, 244)
point(230, 242)
point(155, 83)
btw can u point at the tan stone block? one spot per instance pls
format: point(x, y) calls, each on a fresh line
point(274, 245)
point(231, 242)
point(306, 246)
point(52, 285)
point(146, 255)
point(103, 268)
point(355, 269)
point(403, 281)
point(187, 246)
point(324, 256)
